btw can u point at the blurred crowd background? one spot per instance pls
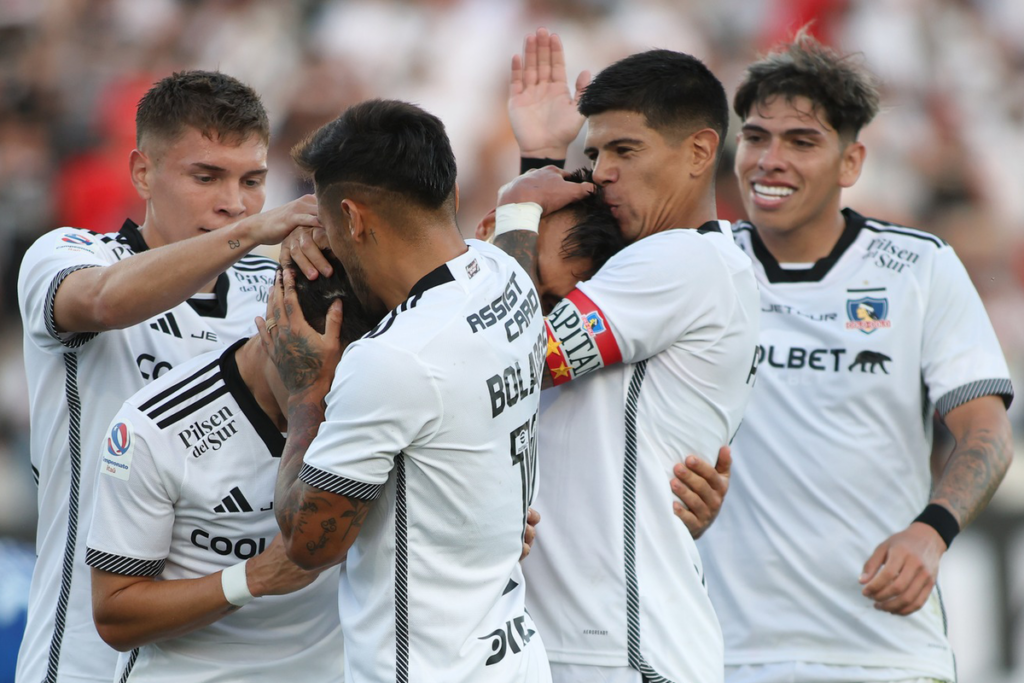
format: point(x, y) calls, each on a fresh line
point(945, 155)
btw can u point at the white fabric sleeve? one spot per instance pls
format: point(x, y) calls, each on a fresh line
point(382, 401)
point(48, 261)
point(961, 356)
point(641, 302)
point(133, 515)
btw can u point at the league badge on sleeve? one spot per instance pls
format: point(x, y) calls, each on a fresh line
point(116, 459)
point(868, 314)
point(77, 241)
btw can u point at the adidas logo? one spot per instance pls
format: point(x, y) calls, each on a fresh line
point(167, 324)
point(234, 502)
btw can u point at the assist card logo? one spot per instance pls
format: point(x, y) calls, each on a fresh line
point(868, 314)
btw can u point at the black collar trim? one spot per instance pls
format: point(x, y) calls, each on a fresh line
point(710, 226)
point(130, 232)
point(435, 278)
point(775, 273)
point(207, 308)
point(260, 421)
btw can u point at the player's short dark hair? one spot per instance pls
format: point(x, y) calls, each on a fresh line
point(215, 104)
point(837, 85)
point(316, 296)
point(383, 145)
point(674, 91)
point(595, 235)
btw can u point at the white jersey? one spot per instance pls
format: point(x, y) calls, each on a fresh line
point(615, 578)
point(77, 382)
point(433, 415)
point(192, 461)
point(857, 353)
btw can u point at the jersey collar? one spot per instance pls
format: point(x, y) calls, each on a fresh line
point(260, 421)
point(435, 278)
point(207, 308)
point(775, 273)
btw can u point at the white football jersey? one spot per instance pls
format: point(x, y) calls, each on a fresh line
point(192, 461)
point(615, 578)
point(433, 415)
point(77, 382)
point(857, 353)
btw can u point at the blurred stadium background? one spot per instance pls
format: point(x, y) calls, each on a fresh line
point(946, 155)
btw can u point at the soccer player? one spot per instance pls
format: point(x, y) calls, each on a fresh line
point(104, 314)
point(192, 460)
point(652, 358)
point(823, 563)
point(423, 461)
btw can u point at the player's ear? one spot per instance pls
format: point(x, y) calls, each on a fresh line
point(140, 168)
point(355, 218)
point(703, 150)
point(852, 163)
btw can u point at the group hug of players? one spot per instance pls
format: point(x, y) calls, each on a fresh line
point(347, 491)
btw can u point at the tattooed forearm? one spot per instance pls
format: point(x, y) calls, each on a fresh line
point(303, 423)
point(522, 246)
point(974, 470)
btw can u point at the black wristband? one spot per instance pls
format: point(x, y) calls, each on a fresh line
point(528, 163)
point(942, 520)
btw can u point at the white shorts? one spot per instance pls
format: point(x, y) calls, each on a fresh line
point(807, 672)
point(582, 673)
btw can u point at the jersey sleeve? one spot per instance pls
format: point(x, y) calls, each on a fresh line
point(47, 263)
point(961, 356)
point(382, 401)
point(641, 302)
point(133, 515)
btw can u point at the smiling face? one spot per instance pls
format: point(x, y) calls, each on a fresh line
point(643, 174)
point(194, 184)
point(792, 166)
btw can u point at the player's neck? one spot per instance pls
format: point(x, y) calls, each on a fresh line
point(693, 213)
point(807, 243)
point(154, 240)
point(406, 265)
point(255, 369)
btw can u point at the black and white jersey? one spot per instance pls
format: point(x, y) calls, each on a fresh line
point(857, 353)
point(76, 383)
point(191, 461)
point(433, 416)
point(615, 578)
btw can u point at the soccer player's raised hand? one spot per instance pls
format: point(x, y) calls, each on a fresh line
point(546, 186)
point(701, 490)
point(540, 106)
point(272, 573)
point(900, 574)
point(304, 248)
point(270, 227)
point(305, 359)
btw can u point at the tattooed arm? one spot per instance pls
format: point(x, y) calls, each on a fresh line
point(135, 289)
point(902, 571)
point(317, 526)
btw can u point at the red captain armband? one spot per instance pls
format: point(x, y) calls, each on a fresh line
point(579, 339)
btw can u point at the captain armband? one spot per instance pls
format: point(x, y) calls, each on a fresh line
point(579, 339)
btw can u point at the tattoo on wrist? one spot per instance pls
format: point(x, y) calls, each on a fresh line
point(973, 473)
point(234, 244)
point(297, 362)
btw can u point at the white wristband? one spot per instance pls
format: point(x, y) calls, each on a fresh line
point(235, 585)
point(524, 216)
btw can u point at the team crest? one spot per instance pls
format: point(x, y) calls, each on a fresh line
point(593, 322)
point(868, 314)
point(117, 458)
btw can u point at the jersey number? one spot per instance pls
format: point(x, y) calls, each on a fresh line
point(523, 443)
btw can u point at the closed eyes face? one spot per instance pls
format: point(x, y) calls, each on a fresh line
point(641, 172)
